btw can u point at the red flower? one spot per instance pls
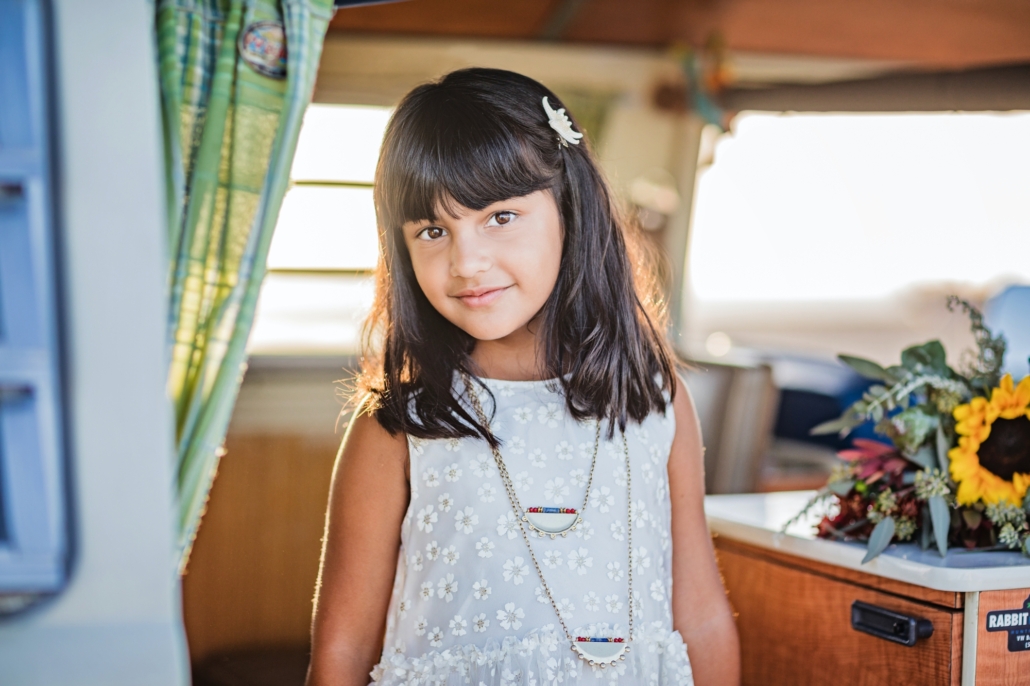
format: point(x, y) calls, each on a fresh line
point(873, 459)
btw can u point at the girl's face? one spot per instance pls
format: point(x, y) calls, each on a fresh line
point(490, 271)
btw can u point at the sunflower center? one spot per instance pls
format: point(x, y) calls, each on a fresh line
point(1007, 450)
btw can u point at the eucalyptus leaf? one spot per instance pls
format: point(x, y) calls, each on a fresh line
point(941, 519)
point(943, 445)
point(879, 539)
point(897, 371)
point(867, 368)
point(908, 477)
point(929, 355)
point(839, 425)
point(924, 457)
point(924, 530)
point(842, 488)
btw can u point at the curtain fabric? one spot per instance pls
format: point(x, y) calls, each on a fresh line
point(236, 78)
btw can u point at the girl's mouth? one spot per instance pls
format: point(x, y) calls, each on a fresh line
point(480, 297)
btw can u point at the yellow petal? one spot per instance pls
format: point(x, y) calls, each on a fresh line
point(1012, 412)
point(1023, 391)
point(968, 493)
point(1006, 384)
point(1021, 482)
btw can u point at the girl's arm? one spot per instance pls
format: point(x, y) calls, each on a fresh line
point(700, 611)
point(367, 501)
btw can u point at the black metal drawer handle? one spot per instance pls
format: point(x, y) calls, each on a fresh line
point(889, 625)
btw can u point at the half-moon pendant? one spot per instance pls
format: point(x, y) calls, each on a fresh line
point(552, 521)
point(601, 652)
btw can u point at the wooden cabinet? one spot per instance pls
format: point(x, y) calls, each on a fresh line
point(794, 610)
point(795, 626)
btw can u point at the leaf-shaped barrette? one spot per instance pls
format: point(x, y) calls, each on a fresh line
point(559, 121)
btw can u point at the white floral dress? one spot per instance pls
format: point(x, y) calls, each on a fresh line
point(468, 606)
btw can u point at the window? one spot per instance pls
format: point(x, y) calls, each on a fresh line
point(839, 232)
point(851, 207)
point(319, 288)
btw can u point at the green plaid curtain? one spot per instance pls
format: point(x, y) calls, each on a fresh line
point(232, 105)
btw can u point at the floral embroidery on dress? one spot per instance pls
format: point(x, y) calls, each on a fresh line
point(468, 605)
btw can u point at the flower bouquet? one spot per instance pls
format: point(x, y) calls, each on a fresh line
point(954, 468)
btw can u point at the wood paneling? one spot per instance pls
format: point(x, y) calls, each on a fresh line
point(480, 18)
point(251, 576)
point(795, 628)
point(946, 599)
point(995, 665)
point(944, 33)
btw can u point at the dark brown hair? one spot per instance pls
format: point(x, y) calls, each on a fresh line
point(474, 138)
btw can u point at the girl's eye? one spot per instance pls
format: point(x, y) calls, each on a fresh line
point(430, 233)
point(501, 218)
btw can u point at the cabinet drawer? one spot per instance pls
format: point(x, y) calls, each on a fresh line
point(795, 628)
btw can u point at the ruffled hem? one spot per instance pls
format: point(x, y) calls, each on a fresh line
point(658, 658)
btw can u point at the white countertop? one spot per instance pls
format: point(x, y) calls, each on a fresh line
point(757, 518)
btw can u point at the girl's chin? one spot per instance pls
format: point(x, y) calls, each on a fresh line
point(491, 331)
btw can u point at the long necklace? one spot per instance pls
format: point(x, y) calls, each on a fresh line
point(546, 521)
point(604, 651)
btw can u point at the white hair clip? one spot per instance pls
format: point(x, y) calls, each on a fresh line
point(559, 121)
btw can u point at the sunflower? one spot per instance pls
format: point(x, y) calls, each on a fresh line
point(992, 460)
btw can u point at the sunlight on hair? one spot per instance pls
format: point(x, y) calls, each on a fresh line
point(806, 207)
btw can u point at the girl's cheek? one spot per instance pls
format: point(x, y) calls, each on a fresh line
point(432, 276)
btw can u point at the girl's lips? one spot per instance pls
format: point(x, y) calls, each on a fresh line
point(483, 298)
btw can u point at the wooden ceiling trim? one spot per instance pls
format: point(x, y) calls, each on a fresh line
point(927, 32)
point(935, 33)
point(989, 89)
point(471, 18)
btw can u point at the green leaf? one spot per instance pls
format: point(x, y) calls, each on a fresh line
point(928, 355)
point(924, 457)
point(972, 518)
point(943, 445)
point(842, 488)
point(839, 425)
point(941, 519)
point(897, 371)
point(924, 530)
point(867, 368)
point(879, 539)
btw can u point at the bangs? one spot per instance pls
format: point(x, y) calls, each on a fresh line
point(468, 153)
point(472, 139)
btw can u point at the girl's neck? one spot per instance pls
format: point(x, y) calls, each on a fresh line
point(513, 358)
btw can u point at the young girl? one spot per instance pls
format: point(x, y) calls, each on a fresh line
point(519, 499)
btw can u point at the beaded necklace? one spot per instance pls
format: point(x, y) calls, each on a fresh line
point(597, 651)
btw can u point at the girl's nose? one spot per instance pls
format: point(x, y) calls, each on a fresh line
point(469, 256)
